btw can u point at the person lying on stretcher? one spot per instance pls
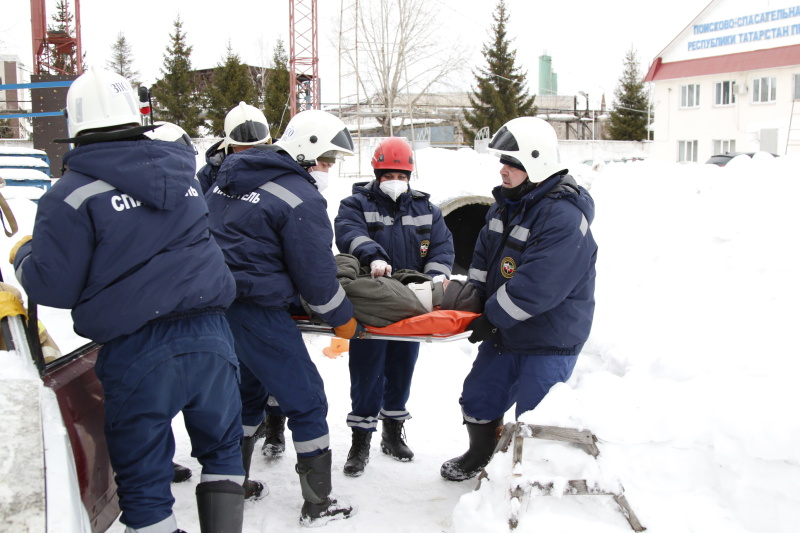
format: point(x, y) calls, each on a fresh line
point(384, 300)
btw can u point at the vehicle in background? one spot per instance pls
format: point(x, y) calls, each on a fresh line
point(723, 159)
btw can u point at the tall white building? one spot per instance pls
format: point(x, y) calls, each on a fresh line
point(729, 82)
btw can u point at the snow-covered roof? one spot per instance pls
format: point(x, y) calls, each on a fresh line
point(22, 162)
point(23, 174)
point(20, 150)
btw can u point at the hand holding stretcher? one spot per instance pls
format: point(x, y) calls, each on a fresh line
point(436, 326)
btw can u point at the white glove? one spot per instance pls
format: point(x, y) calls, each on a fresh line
point(441, 278)
point(380, 268)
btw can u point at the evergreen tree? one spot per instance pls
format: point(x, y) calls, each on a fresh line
point(231, 84)
point(276, 91)
point(501, 93)
point(62, 62)
point(121, 60)
point(628, 120)
point(176, 95)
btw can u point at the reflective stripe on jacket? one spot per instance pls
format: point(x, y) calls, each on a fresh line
point(409, 233)
point(273, 227)
point(122, 239)
point(535, 265)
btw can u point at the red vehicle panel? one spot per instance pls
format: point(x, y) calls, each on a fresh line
point(80, 398)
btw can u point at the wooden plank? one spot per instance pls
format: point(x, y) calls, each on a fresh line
point(577, 487)
point(562, 434)
point(628, 512)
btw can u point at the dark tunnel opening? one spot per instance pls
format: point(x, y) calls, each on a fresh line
point(465, 224)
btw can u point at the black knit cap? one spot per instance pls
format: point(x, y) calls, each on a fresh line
point(512, 162)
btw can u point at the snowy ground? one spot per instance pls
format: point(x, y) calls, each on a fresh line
point(688, 379)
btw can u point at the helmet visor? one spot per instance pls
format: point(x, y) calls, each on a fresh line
point(343, 140)
point(249, 132)
point(504, 141)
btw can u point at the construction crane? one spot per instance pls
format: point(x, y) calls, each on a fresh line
point(50, 47)
point(303, 58)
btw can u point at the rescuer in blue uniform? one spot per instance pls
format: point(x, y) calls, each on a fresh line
point(387, 225)
point(272, 225)
point(534, 268)
point(122, 239)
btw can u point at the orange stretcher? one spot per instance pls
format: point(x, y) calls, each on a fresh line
point(437, 326)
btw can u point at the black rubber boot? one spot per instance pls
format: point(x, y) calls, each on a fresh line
point(253, 490)
point(482, 442)
point(358, 456)
point(180, 473)
point(274, 441)
point(392, 443)
point(220, 505)
point(315, 481)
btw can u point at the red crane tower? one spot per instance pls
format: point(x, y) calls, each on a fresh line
point(303, 58)
point(45, 58)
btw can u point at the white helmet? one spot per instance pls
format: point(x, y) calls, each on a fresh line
point(167, 131)
point(530, 142)
point(245, 125)
point(101, 99)
point(313, 134)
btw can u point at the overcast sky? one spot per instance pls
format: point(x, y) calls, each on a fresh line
point(586, 39)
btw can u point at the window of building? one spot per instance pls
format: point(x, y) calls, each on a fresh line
point(722, 146)
point(764, 89)
point(796, 86)
point(725, 93)
point(690, 95)
point(687, 151)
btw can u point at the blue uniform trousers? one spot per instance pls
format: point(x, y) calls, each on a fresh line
point(380, 380)
point(187, 364)
point(498, 379)
point(272, 350)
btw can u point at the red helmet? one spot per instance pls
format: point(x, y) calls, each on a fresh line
point(393, 153)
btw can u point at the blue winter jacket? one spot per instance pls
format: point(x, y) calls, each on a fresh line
point(272, 225)
point(122, 238)
point(208, 173)
point(534, 263)
point(409, 233)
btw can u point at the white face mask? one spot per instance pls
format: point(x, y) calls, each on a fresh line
point(394, 188)
point(321, 179)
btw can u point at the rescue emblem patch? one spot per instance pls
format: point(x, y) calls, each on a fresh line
point(423, 247)
point(507, 267)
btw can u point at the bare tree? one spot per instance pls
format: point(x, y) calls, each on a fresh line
point(401, 53)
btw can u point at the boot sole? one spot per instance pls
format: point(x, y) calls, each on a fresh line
point(452, 473)
point(339, 514)
point(386, 451)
